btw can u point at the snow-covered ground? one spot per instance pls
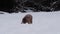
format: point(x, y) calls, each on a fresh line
point(43, 23)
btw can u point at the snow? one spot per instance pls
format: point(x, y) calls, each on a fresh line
point(43, 23)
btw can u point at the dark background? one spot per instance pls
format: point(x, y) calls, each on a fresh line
point(42, 5)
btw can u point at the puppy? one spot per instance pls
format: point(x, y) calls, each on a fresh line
point(27, 19)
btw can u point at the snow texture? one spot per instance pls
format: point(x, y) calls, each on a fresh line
point(43, 23)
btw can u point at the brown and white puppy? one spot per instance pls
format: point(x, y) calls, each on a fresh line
point(27, 19)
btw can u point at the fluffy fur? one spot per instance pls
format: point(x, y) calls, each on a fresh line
point(27, 19)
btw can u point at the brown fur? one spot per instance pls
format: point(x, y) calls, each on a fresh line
point(27, 19)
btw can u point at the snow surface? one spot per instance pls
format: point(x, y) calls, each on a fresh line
point(43, 23)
